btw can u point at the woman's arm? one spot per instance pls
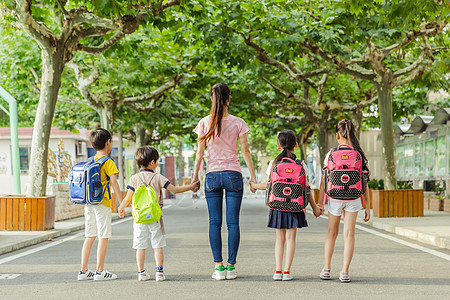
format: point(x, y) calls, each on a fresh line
point(247, 157)
point(198, 159)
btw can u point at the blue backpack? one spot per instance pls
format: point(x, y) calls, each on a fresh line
point(85, 185)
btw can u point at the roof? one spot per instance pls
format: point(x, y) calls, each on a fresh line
point(421, 123)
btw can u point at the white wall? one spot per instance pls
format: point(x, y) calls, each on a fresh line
point(6, 177)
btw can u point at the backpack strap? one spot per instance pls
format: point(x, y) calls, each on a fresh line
point(160, 191)
point(288, 159)
point(344, 146)
point(101, 161)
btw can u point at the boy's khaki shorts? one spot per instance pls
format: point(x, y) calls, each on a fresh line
point(144, 233)
point(97, 221)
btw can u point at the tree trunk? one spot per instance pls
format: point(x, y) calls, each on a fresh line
point(139, 129)
point(302, 140)
point(322, 139)
point(140, 135)
point(105, 117)
point(384, 90)
point(180, 161)
point(357, 121)
point(52, 67)
point(121, 160)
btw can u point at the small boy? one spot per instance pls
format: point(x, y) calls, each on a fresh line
point(147, 160)
point(98, 217)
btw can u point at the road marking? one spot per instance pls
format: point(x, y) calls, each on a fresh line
point(52, 244)
point(400, 241)
point(9, 276)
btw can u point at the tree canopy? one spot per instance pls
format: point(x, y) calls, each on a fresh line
point(300, 65)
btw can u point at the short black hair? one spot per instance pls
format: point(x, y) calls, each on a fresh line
point(144, 156)
point(99, 137)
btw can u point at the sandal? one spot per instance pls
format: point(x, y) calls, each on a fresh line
point(344, 277)
point(325, 274)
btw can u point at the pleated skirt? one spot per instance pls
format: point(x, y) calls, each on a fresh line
point(285, 220)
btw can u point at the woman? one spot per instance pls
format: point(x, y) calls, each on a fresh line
point(220, 132)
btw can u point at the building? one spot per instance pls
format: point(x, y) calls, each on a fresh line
point(422, 151)
point(75, 144)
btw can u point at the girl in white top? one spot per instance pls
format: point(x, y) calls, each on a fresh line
point(345, 134)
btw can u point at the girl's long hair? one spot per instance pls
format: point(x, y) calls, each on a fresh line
point(347, 130)
point(287, 141)
point(220, 93)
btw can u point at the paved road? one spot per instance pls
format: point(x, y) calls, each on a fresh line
point(381, 268)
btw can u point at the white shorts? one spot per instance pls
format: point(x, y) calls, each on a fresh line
point(97, 221)
point(143, 233)
point(335, 208)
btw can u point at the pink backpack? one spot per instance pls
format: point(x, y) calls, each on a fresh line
point(343, 174)
point(287, 189)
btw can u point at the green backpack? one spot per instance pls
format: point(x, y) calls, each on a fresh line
point(145, 205)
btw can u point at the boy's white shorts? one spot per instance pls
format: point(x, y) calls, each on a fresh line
point(143, 233)
point(97, 221)
point(335, 208)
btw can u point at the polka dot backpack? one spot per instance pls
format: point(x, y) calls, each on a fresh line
point(287, 189)
point(343, 174)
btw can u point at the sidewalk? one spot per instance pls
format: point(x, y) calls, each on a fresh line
point(15, 240)
point(432, 229)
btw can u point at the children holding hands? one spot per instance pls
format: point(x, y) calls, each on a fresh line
point(147, 160)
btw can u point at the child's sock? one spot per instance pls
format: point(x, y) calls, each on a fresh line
point(159, 269)
point(285, 272)
point(278, 272)
point(141, 272)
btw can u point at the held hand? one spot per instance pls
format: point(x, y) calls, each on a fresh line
point(367, 214)
point(252, 186)
point(317, 211)
point(195, 185)
point(121, 212)
point(322, 209)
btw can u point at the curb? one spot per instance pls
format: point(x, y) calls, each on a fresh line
point(54, 233)
point(422, 237)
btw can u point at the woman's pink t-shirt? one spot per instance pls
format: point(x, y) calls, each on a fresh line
point(223, 150)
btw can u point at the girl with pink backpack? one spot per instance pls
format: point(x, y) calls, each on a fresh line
point(287, 198)
point(345, 184)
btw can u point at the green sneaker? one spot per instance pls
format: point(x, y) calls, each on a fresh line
point(231, 272)
point(219, 273)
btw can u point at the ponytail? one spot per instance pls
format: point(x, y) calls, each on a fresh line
point(287, 140)
point(220, 93)
point(347, 130)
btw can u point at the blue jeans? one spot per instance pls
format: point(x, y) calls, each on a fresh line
point(215, 183)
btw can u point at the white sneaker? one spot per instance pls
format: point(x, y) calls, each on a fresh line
point(104, 275)
point(277, 276)
point(219, 273)
point(287, 276)
point(160, 276)
point(231, 272)
point(87, 275)
point(143, 276)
